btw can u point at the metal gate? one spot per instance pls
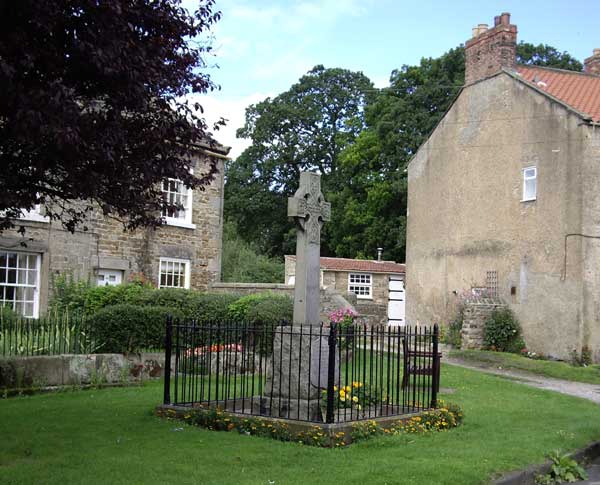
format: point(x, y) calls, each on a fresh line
point(396, 301)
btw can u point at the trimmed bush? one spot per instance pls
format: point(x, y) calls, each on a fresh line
point(130, 328)
point(262, 308)
point(503, 332)
point(212, 307)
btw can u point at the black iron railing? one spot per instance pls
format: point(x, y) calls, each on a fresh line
point(323, 373)
point(50, 335)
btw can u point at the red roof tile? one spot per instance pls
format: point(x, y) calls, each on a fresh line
point(576, 89)
point(344, 264)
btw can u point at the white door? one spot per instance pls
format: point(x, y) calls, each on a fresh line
point(396, 301)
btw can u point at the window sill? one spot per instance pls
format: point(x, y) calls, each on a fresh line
point(34, 218)
point(178, 223)
point(529, 200)
point(364, 297)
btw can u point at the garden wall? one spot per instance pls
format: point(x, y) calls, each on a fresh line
point(73, 370)
point(476, 312)
point(331, 300)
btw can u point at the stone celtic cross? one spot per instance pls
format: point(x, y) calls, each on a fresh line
point(309, 210)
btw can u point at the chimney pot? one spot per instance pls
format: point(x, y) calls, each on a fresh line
point(592, 64)
point(489, 54)
point(379, 253)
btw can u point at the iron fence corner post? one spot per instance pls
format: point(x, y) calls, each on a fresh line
point(168, 345)
point(330, 373)
point(435, 380)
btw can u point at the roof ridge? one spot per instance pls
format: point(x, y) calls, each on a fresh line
point(556, 69)
point(587, 117)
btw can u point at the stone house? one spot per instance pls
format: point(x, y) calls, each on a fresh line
point(503, 197)
point(185, 252)
point(370, 281)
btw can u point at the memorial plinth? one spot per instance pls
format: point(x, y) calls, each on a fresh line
point(300, 351)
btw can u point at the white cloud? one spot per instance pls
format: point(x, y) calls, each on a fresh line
point(233, 109)
point(297, 16)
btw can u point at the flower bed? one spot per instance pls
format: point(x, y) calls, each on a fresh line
point(443, 418)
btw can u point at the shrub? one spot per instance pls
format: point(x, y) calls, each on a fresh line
point(503, 332)
point(261, 308)
point(212, 307)
point(130, 328)
point(243, 264)
point(7, 314)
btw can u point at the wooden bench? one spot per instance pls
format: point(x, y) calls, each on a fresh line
point(420, 363)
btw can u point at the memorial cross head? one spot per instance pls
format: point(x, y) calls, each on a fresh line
point(308, 206)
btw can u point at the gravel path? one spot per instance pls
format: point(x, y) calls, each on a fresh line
point(577, 389)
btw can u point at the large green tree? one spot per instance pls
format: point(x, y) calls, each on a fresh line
point(304, 128)
point(364, 172)
point(370, 211)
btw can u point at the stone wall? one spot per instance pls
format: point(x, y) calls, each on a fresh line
point(466, 217)
point(74, 370)
point(249, 288)
point(331, 300)
point(475, 313)
point(105, 245)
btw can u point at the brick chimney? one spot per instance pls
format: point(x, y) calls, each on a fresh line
point(489, 50)
point(592, 64)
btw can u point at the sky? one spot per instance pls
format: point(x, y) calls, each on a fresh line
point(262, 47)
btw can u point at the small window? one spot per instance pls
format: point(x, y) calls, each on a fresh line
point(109, 277)
point(20, 282)
point(34, 214)
point(175, 193)
point(360, 284)
point(174, 273)
point(529, 183)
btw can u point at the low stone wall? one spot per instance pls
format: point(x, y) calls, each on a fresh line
point(248, 288)
point(374, 314)
point(72, 370)
point(475, 314)
point(331, 300)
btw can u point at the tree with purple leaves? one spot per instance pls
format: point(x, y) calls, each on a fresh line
point(93, 110)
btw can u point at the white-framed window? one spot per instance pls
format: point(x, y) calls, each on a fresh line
point(529, 183)
point(20, 282)
point(176, 193)
point(34, 214)
point(174, 273)
point(360, 284)
point(109, 277)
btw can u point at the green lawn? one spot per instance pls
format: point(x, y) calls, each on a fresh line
point(559, 370)
point(110, 436)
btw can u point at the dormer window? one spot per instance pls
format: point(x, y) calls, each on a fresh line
point(175, 193)
point(529, 184)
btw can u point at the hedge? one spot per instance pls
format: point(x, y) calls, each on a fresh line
point(130, 328)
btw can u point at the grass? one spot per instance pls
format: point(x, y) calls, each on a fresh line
point(110, 436)
point(558, 370)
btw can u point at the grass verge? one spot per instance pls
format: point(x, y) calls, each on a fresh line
point(110, 436)
point(548, 368)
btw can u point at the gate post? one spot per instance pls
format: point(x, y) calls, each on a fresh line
point(435, 378)
point(168, 345)
point(330, 373)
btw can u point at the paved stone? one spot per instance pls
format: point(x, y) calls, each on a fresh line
point(593, 474)
point(577, 389)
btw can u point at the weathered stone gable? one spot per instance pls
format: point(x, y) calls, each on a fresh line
point(466, 217)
